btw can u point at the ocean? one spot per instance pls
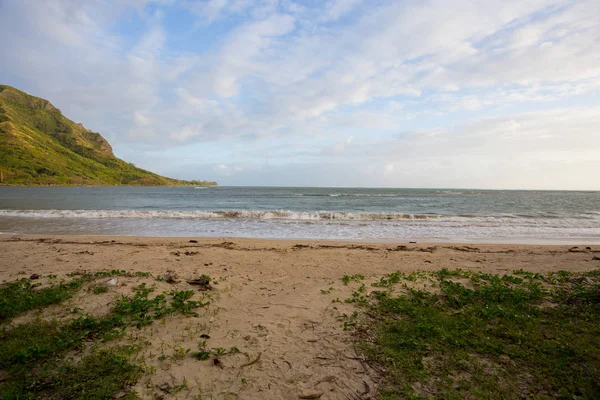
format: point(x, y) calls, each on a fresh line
point(433, 215)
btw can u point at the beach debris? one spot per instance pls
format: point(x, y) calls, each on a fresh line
point(252, 362)
point(217, 363)
point(204, 336)
point(202, 283)
point(412, 242)
point(310, 395)
point(367, 389)
point(185, 253)
point(596, 258)
point(576, 249)
point(431, 249)
point(171, 277)
point(328, 378)
point(34, 276)
point(110, 283)
point(193, 241)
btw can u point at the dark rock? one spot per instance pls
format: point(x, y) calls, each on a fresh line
point(193, 241)
point(34, 276)
point(596, 258)
point(205, 336)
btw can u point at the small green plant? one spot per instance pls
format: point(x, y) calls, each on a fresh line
point(201, 355)
point(348, 278)
point(220, 351)
point(100, 289)
point(179, 354)
point(182, 386)
point(182, 303)
point(358, 296)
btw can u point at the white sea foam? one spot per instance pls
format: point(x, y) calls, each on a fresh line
point(287, 216)
point(224, 214)
point(347, 195)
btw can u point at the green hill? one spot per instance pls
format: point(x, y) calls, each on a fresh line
point(39, 146)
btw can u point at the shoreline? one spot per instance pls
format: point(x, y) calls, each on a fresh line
point(432, 241)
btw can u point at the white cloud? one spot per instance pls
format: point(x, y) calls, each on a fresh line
point(335, 9)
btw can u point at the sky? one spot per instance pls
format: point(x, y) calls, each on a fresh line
point(492, 94)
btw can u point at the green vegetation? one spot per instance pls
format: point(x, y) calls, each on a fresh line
point(349, 278)
point(18, 297)
point(216, 352)
point(39, 146)
point(458, 334)
point(72, 359)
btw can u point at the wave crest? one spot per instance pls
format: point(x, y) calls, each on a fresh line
point(224, 214)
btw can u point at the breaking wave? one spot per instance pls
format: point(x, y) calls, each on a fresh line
point(211, 215)
point(348, 195)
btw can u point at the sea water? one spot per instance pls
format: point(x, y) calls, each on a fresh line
point(436, 215)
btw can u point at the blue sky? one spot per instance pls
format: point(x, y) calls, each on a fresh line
point(484, 94)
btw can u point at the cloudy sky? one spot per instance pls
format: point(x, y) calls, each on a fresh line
point(399, 93)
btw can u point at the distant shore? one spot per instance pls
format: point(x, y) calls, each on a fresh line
point(178, 185)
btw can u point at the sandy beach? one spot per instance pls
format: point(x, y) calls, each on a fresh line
point(274, 300)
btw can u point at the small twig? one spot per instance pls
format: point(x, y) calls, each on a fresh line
point(311, 396)
point(367, 388)
point(249, 363)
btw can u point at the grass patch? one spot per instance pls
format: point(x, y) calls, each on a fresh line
point(476, 335)
point(99, 375)
point(34, 362)
point(23, 295)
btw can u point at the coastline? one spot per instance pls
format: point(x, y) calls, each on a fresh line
point(107, 185)
point(285, 244)
point(280, 302)
point(525, 241)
